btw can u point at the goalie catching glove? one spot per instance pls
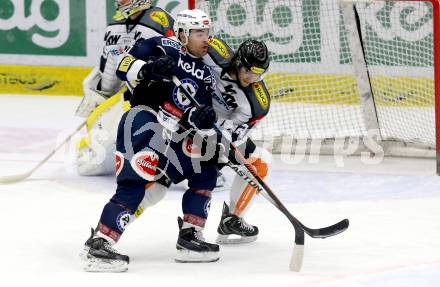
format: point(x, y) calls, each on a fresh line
point(92, 97)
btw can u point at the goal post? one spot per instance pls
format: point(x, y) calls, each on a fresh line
point(344, 72)
point(191, 4)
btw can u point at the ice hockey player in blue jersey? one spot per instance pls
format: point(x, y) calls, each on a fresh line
point(241, 100)
point(151, 151)
point(104, 93)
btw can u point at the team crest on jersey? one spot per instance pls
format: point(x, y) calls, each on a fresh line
point(261, 95)
point(119, 162)
point(219, 47)
point(179, 98)
point(145, 164)
point(171, 43)
point(160, 18)
point(122, 220)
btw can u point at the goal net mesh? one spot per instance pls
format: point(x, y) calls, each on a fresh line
point(312, 80)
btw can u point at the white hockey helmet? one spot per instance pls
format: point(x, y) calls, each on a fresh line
point(129, 7)
point(191, 19)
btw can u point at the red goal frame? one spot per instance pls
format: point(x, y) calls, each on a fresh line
point(191, 4)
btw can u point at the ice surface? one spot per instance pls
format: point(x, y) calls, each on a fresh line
point(393, 239)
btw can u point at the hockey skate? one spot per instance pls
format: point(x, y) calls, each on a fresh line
point(233, 226)
point(191, 246)
point(99, 256)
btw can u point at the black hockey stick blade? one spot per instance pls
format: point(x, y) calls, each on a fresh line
point(328, 231)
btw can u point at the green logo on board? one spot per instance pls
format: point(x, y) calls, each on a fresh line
point(43, 27)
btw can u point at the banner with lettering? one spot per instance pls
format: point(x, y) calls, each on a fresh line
point(58, 32)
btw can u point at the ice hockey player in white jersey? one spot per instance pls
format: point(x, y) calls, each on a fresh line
point(103, 102)
point(241, 100)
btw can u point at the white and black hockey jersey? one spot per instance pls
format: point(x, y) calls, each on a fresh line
point(238, 109)
point(121, 35)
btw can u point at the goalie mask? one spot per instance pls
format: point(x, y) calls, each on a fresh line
point(187, 20)
point(127, 8)
point(253, 56)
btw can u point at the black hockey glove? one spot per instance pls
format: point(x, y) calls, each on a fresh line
point(202, 118)
point(161, 68)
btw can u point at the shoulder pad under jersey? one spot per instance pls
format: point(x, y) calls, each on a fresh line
point(158, 20)
point(259, 99)
point(220, 52)
point(117, 20)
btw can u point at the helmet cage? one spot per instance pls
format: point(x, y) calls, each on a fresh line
point(132, 7)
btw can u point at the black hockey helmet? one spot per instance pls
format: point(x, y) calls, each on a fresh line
point(253, 55)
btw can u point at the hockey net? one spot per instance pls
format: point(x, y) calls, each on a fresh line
point(342, 70)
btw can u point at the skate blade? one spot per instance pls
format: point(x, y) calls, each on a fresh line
point(188, 256)
point(224, 239)
point(93, 264)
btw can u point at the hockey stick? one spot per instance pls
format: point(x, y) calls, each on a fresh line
point(250, 176)
point(22, 176)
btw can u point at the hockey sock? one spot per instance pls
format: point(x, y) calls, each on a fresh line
point(114, 219)
point(195, 206)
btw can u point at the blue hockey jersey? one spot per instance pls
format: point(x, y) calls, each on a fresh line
point(160, 95)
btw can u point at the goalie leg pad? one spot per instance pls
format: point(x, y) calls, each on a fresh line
point(96, 150)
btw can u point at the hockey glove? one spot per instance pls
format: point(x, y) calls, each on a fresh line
point(162, 68)
point(92, 97)
point(202, 118)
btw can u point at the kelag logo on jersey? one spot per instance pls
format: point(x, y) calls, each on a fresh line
point(55, 27)
point(179, 98)
point(191, 68)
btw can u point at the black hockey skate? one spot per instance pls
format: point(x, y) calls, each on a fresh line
point(234, 226)
point(191, 246)
point(99, 256)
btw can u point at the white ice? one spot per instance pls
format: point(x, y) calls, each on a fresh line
point(394, 211)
